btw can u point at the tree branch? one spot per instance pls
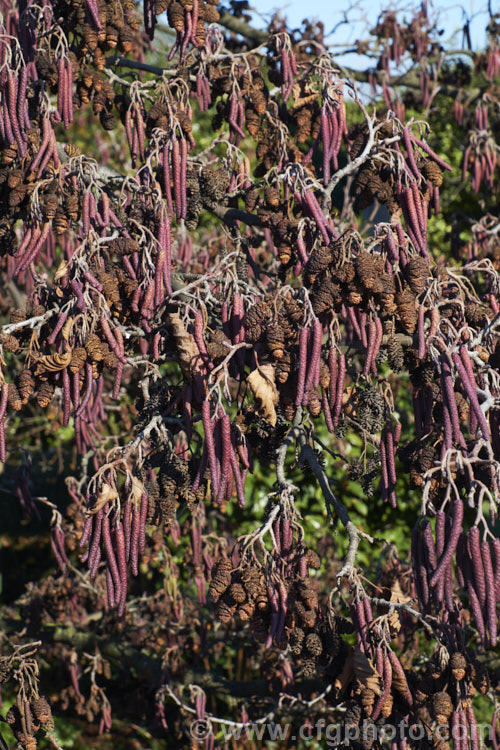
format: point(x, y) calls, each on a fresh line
point(242, 28)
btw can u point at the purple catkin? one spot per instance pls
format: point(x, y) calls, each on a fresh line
point(176, 170)
point(389, 439)
point(87, 530)
point(387, 689)
point(66, 396)
point(226, 457)
point(359, 622)
point(421, 332)
point(471, 719)
point(490, 591)
point(277, 536)
point(29, 234)
point(392, 247)
point(440, 540)
point(451, 543)
point(22, 100)
point(422, 571)
point(89, 381)
point(274, 602)
point(110, 556)
point(448, 590)
point(417, 202)
point(326, 411)
point(339, 389)
point(9, 135)
point(44, 145)
point(475, 605)
point(411, 156)
point(286, 537)
point(68, 109)
point(166, 177)
point(238, 478)
point(12, 86)
point(301, 247)
point(469, 384)
point(315, 358)
point(134, 540)
point(158, 279)
point(496, 568)
point(379, 334)
point(119, 539)
point(127, 526)
point(397, 668)
point(431, 153)
point(4, 397)
point(474, 549)
point(384, 481)
point(283, 597)
point(332, 367)
point(57, 554)
point(317, 214)
point(449, 402)
point(110, 590)
point(428, 546)
point(303, 342)
point(183, 155)
point(61, 87)
point(208, 427)
point(143, 519)
point(92, 280)
point(95, 545)
point(351, 312)
point(379, 661)
point(412, 223)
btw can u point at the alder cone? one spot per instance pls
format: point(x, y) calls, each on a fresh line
point(433, 173)
point(475, 315)
point(45, 394)
point(366, 269)
point(320, 259)
point(237, 592)
point(221, 579)
point(387, 705)
point(253, 125)
point(417, 271)
point(395, 354)
point(95, 348)
point(25, 385)
point(368, 700)
point(458, 666)
point(78, 359)
point(175, 16)
point(246, 611)
point(14, 398)
point(275, 339)
point(314, 644)
point(18, 315)
point(407, 311)
point(43, 713)
point(308, 668)
point(441, 705)
point(297, 637)
point(9, 343)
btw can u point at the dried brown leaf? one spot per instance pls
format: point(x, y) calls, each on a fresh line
point(261, 383)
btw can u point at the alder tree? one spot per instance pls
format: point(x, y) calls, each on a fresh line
point(245, 287)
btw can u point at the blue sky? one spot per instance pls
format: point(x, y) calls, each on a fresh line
point(364, 14)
